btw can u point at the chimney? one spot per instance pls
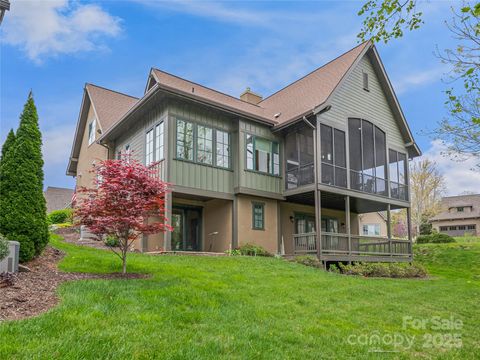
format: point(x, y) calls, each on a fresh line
point(250, 97)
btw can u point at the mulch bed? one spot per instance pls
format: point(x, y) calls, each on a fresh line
point(34, 292)
point(72, 235)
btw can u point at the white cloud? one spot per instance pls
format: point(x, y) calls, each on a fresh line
point(459, 176)
point(54, 27)
point(418, 79)
point(57, 143)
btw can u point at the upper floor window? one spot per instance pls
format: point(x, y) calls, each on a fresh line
point(223, 148)
point(263, 155)
point(334, 161)
point(398, 174)
point(91, 132)
point(149, 148)
point(460, 209)
point(184, 140)
point(204, 145)
point(299, 157)
point(159, 141)
point(197, 143)
point(365, 81)
point(367, 149)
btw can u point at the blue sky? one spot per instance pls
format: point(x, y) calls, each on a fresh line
point(54, 47)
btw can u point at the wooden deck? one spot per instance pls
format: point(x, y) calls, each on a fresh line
point(344, 247)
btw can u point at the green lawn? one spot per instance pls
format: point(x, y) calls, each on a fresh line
point(245, 307)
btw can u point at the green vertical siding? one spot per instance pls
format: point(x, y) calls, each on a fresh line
point(253, 180)
point(188, 174)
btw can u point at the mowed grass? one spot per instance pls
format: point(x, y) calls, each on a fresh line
point(248, 308)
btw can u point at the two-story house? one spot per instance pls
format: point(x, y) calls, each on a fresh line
point(290, 172)
point(459, 215)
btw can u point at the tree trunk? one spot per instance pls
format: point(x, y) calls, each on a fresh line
point(124, 255)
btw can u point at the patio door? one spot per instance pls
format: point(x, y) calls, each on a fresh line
point(186, 235)
point(329, 225)
point(304, 223)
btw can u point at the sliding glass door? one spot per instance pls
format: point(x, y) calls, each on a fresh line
point(186, 235)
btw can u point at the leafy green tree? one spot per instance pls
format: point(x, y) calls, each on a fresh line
point(22, 204)
point(385, 20)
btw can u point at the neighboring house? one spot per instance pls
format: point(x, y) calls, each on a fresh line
point(58, 198)
point(373, 224)
point(460, 215)
point(324, 149)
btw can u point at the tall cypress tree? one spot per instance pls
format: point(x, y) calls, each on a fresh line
point(22, 204)
point(8, 144)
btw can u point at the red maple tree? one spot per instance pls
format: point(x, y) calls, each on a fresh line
point(127, 199)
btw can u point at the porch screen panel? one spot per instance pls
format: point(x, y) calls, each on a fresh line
point(327, 154)
point(340, 158)
point(398, 175)
point(380, 162)
point(367, 157)
point(299, 157)
point(333, 156)
point(292, 160)
point(355, 152)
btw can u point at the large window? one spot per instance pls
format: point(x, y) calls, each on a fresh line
point(223, 148)
point(334, 162)
point(149, 148)
point(262, 155)
point(299, 157)
point(159, 143)
point(367, 147)
point(91, 132)
point(258, 216)
point(184, 140)
point(398, 175)
point(202, 144)
point(154, 145)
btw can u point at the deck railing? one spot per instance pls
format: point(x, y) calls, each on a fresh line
point(355, 246)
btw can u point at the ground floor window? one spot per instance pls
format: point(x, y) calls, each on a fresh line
point(258, 216)
point(371, 229)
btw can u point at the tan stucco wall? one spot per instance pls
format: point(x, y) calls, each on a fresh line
point(89, 154)
point(217, 217)
point(436, 224)
point(268, 237)
point(372, 218)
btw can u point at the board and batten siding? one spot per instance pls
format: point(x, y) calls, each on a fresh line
point(135, 136)
point(254, 180)
point(197, 176)
point(352, 101)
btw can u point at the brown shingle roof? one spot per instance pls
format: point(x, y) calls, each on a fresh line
point(214, 96)
point(57, 198)
point(312, 90)
point(459, 201)
point(109, 105)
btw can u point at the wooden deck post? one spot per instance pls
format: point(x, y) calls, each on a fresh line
point(318, 222)
point(409, 231)
point(347, 223)
point(389, 229)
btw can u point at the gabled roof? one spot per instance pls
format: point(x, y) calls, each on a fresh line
point(304, 97)
point(108, 105)
point(58, 198)
point(167, 80)
point(312, 90)
point(459, 201)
